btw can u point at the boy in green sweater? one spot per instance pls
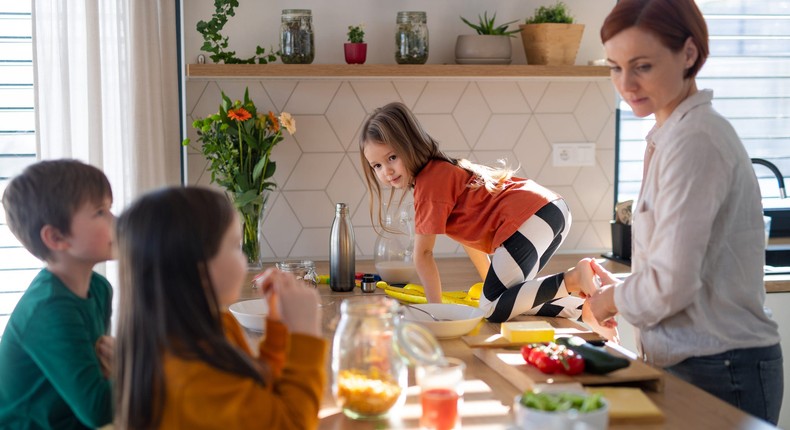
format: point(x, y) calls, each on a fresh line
point(55, 354)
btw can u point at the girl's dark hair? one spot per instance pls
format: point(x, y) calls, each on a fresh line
point(167, 304)
point(672, 21)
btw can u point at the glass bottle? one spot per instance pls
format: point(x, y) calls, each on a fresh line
point(394, 249)
point(297, 42)
point(341, 251)
point(369, 375)
point(411, 38)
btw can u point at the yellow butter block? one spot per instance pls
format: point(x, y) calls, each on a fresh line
point(527, 331)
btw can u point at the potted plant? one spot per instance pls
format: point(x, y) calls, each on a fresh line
point(491, 44)
point(550, 37)
point(356, 49)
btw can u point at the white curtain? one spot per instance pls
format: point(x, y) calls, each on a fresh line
point(106, 83)
point(107, 89)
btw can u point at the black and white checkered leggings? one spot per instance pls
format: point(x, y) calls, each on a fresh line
point(510, 287)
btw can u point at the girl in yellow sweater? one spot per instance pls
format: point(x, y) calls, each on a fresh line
point(182, 361)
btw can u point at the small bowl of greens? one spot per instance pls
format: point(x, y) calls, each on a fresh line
point(561, 411)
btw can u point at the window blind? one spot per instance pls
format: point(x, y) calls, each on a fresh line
point(749, 72)
point(17, 143)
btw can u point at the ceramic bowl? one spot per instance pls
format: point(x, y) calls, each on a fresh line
point(463, 319)
point(251, 314)
point(528, 418)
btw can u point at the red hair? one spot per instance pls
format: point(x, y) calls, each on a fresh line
point(672, 21)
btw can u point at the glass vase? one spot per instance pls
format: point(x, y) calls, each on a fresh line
point(251, 217)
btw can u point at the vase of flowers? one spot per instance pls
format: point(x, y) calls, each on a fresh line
point(356, 49)
point(238, 142)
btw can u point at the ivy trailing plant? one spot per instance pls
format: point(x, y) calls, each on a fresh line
point(216, 44)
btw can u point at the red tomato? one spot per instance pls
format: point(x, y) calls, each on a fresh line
point(535, 354)
point(547, 364)
point(525, 350)
point(575, 363)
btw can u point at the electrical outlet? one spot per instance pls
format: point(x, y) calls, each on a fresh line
point(573, 154)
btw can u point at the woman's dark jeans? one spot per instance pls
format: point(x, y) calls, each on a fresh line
point(749, 379)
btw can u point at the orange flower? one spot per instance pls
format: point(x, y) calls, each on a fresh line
point(239, 114)
point(275, 123)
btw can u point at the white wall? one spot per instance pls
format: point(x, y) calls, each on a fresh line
point(258, 23)
point(483, 120)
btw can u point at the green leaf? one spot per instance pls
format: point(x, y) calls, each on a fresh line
point(258, 169)
point(270, 168)
point(245, 198)
point(185, 142)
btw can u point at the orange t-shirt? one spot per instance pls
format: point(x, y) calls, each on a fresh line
point(444, 204)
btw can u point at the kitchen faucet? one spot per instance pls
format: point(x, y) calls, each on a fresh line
point(776, 173)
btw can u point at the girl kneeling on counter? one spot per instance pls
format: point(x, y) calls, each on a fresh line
point(485, 209)
point(182, 360)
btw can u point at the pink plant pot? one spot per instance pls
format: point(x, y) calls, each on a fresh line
point(356, 53)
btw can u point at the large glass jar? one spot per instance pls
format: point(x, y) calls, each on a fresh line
point(411, 38)
point(393, 253)
point(297, 42)
point(369, 375)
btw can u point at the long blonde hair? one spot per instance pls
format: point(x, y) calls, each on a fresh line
point(395, 125)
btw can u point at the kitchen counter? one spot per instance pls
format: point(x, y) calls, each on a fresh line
point(489, 396)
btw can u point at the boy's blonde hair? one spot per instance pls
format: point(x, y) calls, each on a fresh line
point(49, 193)
point(395, 125)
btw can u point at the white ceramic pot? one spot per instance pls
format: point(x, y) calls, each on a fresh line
point(482, 49)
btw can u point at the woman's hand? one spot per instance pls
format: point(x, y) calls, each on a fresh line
point(609, 332)
point(105, 351)
point(291, 301)
point(602, 306)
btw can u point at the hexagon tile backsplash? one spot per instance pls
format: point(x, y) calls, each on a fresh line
point(483, 120)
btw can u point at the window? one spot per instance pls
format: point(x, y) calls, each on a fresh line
point(17, 143)
point(749, 72)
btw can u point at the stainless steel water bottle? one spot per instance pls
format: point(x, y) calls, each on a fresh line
point(341, 251)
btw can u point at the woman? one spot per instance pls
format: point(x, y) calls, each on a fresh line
point(696, 291)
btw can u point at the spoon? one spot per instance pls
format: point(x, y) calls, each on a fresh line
point(428, 313)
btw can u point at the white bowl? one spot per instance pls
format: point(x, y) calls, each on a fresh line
point(464, 318)
point(251, 314)
point(528, 418)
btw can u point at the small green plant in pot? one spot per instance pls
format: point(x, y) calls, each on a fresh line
point(356, 49)
point(491, 44)
point(550, 36)
point(486, 26)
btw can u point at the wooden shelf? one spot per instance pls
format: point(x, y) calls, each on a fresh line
point(297, 71)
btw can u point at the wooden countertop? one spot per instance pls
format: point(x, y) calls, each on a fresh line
point(489, 396)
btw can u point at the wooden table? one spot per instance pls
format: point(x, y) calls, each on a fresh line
point(489, 396)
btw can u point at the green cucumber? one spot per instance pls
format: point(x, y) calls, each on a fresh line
point(596, 359)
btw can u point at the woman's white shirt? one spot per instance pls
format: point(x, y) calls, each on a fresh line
point(698, 243)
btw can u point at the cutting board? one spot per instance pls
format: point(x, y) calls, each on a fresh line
point(562, 327)
point(629, 405)
point(511, 366)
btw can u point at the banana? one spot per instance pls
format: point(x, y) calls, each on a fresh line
point(455, 294)
point(415, 287)
point(405, 297)
point(413, 293)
